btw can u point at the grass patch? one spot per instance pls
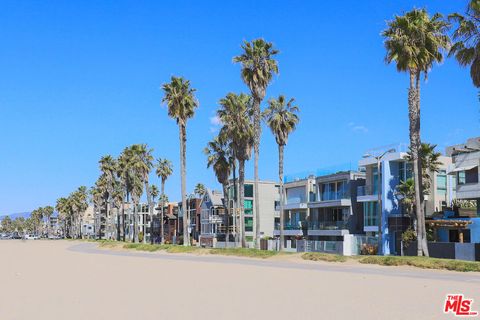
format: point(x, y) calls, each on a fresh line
point(319, 256)
point(423, 262)
point(143, 247)
point(244, 252)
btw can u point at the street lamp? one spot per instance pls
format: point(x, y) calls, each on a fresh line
point(379, 199)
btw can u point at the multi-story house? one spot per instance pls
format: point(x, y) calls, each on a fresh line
point(466, 160)
point(214, 223)
point(385, 168)
point(269, 197)
point(323, 209)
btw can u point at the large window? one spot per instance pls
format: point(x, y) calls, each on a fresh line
point(248, 206)
point(375, 180)
point(248, 188)
point(405, 171)
point(334, 190)
point(442, 182)
point(370, 215)
point(248, 224)
point(469, 176)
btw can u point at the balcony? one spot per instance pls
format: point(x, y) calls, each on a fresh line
point(328, 225)
point(328, 228)
point(294, 203)
point(290, 229)
point(367, 193)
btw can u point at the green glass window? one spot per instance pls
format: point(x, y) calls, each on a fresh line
point(248, 206)
point(442, 182)
point(248, 224)
point(248, 188)
point(370, 214)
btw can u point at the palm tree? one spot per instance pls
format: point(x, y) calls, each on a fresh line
point(406, 192)
point(164, 169)
point(281, 117)
point(181, 103)
point(126, 175)
point(466, 48)
point(47, 213)
point(108, 168)
point(199, 190)
point(118, 197)
point(63, 212)
point(415, 41)
point(430, 160)
point(218, 156)
point(236, 112)
point(258, 68)
point(79, 203)
point(153, 192)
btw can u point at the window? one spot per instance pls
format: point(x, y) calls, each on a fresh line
point(461, 177)
point(248, 224)
point(248, 206)
point(442, 182)
point(405, 171)
point(370, 214)
point(248, 188)
point(375, 180)
point(276, 204)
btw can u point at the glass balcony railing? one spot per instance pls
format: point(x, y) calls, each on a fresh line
point(328, 225)
point(367, 190)
point(295, 200)
point(329, 196)
point(291, 226)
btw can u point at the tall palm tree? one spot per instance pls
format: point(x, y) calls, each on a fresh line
point(164, 169)
point(218, 157)
point(466, 48)
point(126, 175)
point(181, 102)
point(415, 41)
point(108, 168)
point(61, 207)
point(281, 117)
point(47, 214)
point(118, 197)
point(236, 112)
point(258, 68)
point(143, 166)
point(153, 192)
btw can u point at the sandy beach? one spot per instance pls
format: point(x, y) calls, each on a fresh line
point(77, 280)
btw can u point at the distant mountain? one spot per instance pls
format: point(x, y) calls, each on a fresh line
point(16, 215)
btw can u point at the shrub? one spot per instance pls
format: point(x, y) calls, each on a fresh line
point(369, 249)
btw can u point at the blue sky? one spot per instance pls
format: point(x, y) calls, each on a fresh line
point(82, 79)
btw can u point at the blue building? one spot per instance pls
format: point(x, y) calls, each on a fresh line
point(385, 168)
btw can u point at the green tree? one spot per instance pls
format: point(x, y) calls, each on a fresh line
point(181, 103)
point(199, 190)
point(466, 36)
point(164, 169)
point(282, 119)
point(235, 113)
point(153, 192)
point(47, 214)
point(415, 41)
point(258, 69)
point(7, 225)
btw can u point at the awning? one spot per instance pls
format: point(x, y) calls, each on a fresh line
point(463, 168)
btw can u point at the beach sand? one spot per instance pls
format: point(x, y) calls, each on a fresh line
point(73, 280)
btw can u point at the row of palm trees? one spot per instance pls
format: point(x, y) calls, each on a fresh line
point(122, 180)
point(70, 212)
point(416, 41)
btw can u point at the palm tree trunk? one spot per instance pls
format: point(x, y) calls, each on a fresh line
point(256, 148)
point(118, 224)
point(420, 175)
point(183, 156)
point(226, 206)
point(280, 177)
point(123, 220)
point(414, 129)
point(135, 222)
point(150, 213)
point(235, 202)
point(162, 238)
point(241, 182)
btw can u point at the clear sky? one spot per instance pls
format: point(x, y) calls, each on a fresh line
point(81, 79)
